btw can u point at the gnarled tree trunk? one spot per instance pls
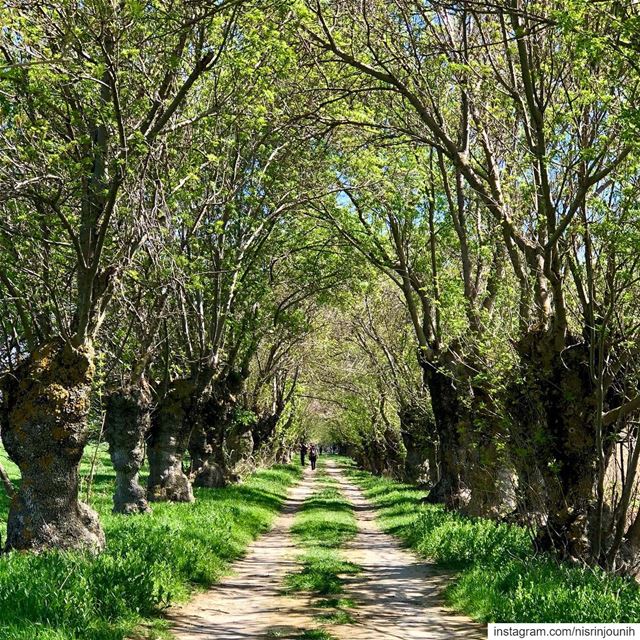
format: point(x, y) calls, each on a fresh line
point(446, 405)
point(561, 437)
point(44, 430)
point(417, 429)
point(171, 426)
point(488, 473)
point(127, 422)
point(206, 445)
point(474, 475)
point(264, 428)
point(395, 453)
point(238, 447)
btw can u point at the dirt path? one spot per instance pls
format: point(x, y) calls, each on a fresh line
point(397, 595)
point(248, 603)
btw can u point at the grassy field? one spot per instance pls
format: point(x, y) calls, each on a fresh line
point(499, 577)
point(150, 561)
point(323, 526)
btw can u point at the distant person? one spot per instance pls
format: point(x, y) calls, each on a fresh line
point(303, 453)
point(313, 456)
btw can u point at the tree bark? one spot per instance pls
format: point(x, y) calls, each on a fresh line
point(488, 472)
point(171, 426)
point(264, 428)
point(417, 429)
point(394, 453)
point(206, 445)
point(127, 422)
point(238, 447)
point(561, 437)
point(474, 475)
point(445, 403)
point(46, 405)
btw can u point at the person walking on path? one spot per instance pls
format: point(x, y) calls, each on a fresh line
point(303, 453)
point(313, 456)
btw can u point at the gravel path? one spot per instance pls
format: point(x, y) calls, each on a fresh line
point(398, 594)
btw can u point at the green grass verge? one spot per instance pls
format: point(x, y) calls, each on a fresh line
point(320, 573)
point(323, 526)
point(499, 577)
point(150, 561)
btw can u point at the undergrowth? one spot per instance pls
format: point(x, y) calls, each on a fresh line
point(499, 576)
point(150, 561)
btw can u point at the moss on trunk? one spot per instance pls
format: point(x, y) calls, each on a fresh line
point(556, 429)
point(171, 427)
point(212, 464)
point(46, 404)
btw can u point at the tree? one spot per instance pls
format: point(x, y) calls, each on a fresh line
point(402, 212)
point(502, 80)
point(89, 93)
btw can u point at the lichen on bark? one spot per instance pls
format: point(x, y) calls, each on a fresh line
point(45, 409)
point(212, 458)
point(171, 427)
point(127, 422)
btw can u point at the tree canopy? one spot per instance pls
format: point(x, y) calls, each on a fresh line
point(409, 229)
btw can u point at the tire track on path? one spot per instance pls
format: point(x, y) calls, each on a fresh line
point(249, 603)
point(398, 595)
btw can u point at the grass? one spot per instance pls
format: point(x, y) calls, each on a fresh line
point(323, 526)
point(340, 616)
point(499, 578)
point(316, 634)
point(150, 561)
point(321, 572)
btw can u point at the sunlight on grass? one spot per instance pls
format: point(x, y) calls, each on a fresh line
point(500, 578)
point(150, 560)
point(323, 526)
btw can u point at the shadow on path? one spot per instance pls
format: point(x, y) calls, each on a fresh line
point(397, 595)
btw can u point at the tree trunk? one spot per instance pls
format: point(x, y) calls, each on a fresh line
point(127, 422)
point(206, 445)
point(264, 428)
point(417, 429)
point(9, 487)
point(395, 453)
point(171, 426)
point(525, 419)
point(45, 408)
point(488, 473)
point(561, 437)
point(238, 445)
point(445, 403)
point(474, 474)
